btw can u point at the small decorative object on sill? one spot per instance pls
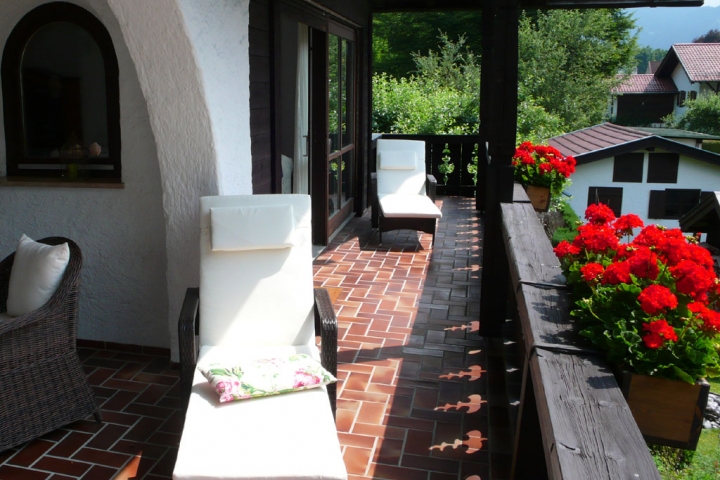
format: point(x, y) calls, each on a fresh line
point(542, 166)
point(651, 303)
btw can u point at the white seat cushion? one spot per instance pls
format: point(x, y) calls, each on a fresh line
point(408, 206)
point(280, 437)
point(36, 273)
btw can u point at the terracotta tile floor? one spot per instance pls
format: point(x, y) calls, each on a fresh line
point(415, 400)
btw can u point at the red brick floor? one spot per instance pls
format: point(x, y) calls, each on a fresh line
point(414, 398)
point(421, 394)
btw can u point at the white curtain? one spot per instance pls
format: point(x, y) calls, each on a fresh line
point(301, 168)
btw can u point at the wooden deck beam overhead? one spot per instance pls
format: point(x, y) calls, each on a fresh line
point(380, 6)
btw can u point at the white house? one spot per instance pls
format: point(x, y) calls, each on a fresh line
point(687, 71)
point(657, 174)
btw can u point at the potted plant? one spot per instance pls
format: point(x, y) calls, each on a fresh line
point(543, 171)
point(650, 302)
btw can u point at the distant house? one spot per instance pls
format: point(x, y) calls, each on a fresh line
point(657, 174)
point(686, 71)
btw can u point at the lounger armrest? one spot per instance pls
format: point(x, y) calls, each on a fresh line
point(430, 187)
point(374, 202)
point(326, 324)
point(188, 324)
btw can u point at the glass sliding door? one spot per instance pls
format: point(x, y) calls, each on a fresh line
point(341, 123)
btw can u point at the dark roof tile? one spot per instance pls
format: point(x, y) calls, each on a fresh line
point(645, 83)
point(700, 60)
point(595, 138)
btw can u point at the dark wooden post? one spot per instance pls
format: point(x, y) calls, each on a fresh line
point(487, 25)
point(502, 95)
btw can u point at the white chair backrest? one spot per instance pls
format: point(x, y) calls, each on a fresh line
point(256, 274)
point(401, 167)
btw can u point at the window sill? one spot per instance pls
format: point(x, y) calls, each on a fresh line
point(60, 182)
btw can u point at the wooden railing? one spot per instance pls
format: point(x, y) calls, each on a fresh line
point(572, 416)
point(461, 151)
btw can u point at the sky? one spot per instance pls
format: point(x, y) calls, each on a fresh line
point(711, 3)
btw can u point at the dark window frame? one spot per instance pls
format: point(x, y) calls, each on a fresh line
point(668, 204)
point(663, 167)
point(110, 166)
point(628, 168)
point(610, 196)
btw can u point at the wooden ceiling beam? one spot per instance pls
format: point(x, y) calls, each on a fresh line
point(379, 6)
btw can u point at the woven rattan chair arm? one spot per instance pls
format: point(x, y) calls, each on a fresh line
point(326, 324)
point(187, 330)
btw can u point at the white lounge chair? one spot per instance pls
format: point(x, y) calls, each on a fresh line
point(402, 194)
point(256, 300)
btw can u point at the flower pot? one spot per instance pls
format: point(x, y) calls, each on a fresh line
point(539, 197)
point(668, 412)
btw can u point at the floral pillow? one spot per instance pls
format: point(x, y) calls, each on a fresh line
point(267, 376)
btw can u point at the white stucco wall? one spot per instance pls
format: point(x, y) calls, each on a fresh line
point(692, 174)
point(219, 33)
point(185, 133)
point(200, 152)
point(683, 83)
point(120, 231)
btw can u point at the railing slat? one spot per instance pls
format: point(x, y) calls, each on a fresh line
point(588, 429)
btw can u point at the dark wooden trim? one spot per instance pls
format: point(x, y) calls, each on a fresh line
point(318, 134)
point(11, 88)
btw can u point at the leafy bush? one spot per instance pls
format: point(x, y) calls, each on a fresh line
point(702, 115)
point(569, 231)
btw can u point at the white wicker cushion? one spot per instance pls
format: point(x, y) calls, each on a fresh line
point(36, 274)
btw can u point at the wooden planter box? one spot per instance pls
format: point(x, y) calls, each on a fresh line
point(668, 412)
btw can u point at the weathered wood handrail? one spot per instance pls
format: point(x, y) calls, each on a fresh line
point(573, 416)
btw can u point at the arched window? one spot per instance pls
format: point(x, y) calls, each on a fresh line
point(61, 96)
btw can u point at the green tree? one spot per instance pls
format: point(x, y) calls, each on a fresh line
point(648, 54)
point(442, 98)
point(398, 35)
point(702, 115)
point(569, 60)
point(568, 64)
point(713, 36)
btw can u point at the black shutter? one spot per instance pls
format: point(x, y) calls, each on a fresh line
point(656, 208)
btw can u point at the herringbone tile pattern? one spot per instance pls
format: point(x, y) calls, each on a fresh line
point(414, 398)
point(421, 394)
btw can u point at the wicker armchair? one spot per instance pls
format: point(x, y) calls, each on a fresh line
point(42, 384)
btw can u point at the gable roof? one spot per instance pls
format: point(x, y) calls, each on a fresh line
point(608, 140)
point(652, 66)
point(701, 61)
point(645, 83)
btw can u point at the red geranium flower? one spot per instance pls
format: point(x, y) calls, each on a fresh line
point(624, 224)
point(616, 273)
point(565, 248)
point(658, 332)
point(591, 271)
point(656, 298)
point(643, 263)
point(692, 279)
point(596, 238)
point(599, 214)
